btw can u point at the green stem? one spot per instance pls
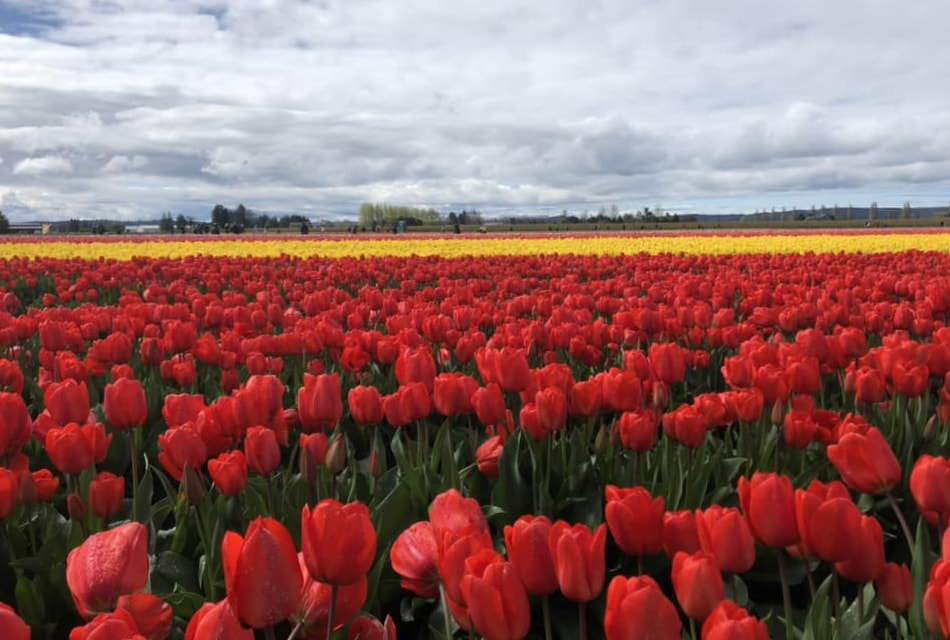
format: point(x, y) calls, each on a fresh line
point(786, 595)
point(546, 609)
point(902, 521)
point(332, 611)
point(134, 457)
point(582, 619)
point(445, 613)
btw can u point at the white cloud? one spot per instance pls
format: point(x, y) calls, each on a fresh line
point(497, 104)
point(44, 165)
point(122, 164)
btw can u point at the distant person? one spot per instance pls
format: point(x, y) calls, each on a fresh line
point(456, 229)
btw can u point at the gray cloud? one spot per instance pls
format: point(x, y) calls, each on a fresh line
point(135, 107)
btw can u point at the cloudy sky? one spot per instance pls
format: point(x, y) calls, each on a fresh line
point(127, 108)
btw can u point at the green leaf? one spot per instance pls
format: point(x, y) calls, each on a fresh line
point(142, 507)
point(512, 492)
point(29, 602)
point(177, 569)
point(920, 571)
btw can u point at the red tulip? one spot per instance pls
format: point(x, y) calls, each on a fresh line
point(729, 621)
point(585, 398)
point(511, 370)
point(106, 492)
point(680, 532)
point(637, 608)
point(125, 404)
point(530, 553)
point(72, 448)
point(936, 602)
point(366, 405)
point(725, 534)
point(152, 615)
point(319, 402)
point(668, 361)
point(216, 622)
point(338, 541)
point(261, 450)
point(910, 380)
point(181, 447)
point(488, 454)
point(746, 404)
point(119, 625)
point(768, 502)
point(621, 391)
point(262, 573)
point(698, 583)
point(635, 519)
point(9, 484)
point(452, 393)
point(106, 566)
point(686, 425)
point(67, 401)
point(638, 430)
point(450, 512)
point(367, 627)
point(895, 587)
point(416, 365)
point(821, 509)
point(415, 556)
point(497, 602)
point(12, 626)
point(866, 561)
point(314, 608)
point(180, 408)
point(551, 405)
point(489, 405)
point(930, 484)
point(869, 385)
point(15, 425)
point(866, 462)
point(229, 472)
point(578, 559)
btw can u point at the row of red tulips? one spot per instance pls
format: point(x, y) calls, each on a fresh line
point(236, 411)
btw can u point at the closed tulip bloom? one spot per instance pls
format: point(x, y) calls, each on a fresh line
point(229, 472)
point(621, 391)
point(416, 365)
point(9, 484)
point(770, 380)
point(455, 548)
point(118, 625)
point(511, 370)
point(216, 622)
point(698, 583)
point(824, 508)
point(451, 512)
point(67, 401)
point(680, 533)
point(262, 450)
point(729, 621)
point(638, 430)
point(15, 424)
point(366, 405)
point(45, 485)
point(179, 448)
point(125, 404)
point(530, 554)
point(551, 404)
point(635, 519)
point(489, 404)
point(637, 608)
point(106, 492)
point(180, 408)
point(488, 454)
point(452, 393)
point(866, 462)
point(686, 425)
point(910, 380)
point(338, 541)
point(320, 402)
point(414, 557)
point(12, 626)
point(106, 566)
point(578, 557)
point(869, 384)
point(585, 398)
point(152, 615)
point(803, 375)
point(261, 573)
point(366, 627)
point(314, 607)
point(668, 361)
point(70, 449)
point(895, 587)
point(930, 484)
point(746, 404)
point(768, 501)
point(497, 602)
point(936, 602)
point(866, 561)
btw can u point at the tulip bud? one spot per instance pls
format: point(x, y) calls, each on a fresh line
point(930, 429)
point(375, 466)
point(661, 395)
point(336, 455)
point(778, 413)
point(192, 486)
point(603, 440)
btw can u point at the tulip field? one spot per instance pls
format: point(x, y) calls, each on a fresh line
point(716, 436)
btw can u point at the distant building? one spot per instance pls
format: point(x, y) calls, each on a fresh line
point(142, 228)
point(26, 229)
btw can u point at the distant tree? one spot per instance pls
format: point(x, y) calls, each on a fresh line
point(167, 223)
point(454, 218)
point(73, 226)
point(240, 215)
point(907, 213)
point(181, 223)
point(220, 215)
point(872, 212)
point(4, 223)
